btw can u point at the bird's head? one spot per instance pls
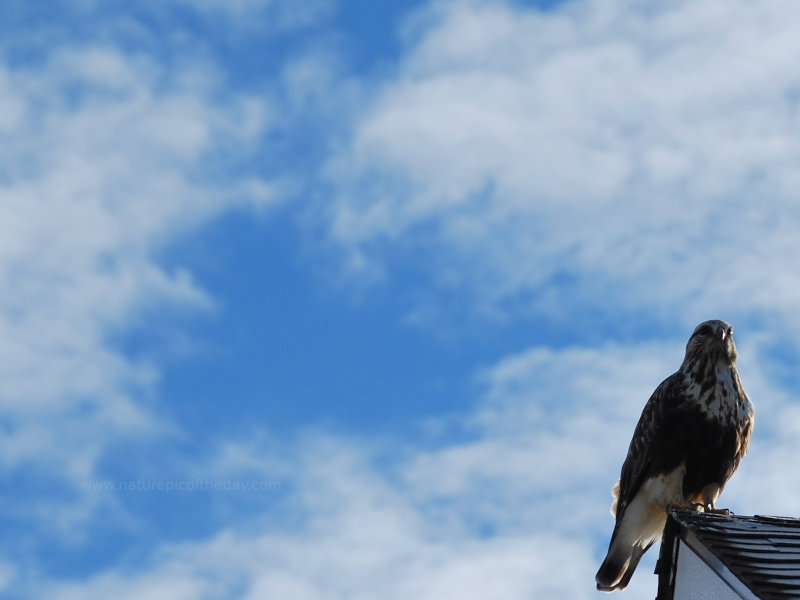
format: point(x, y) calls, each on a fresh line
point(712, 340)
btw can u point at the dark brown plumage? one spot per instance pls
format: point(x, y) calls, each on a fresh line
point(691, 436)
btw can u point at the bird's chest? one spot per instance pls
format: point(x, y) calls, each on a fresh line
point(719, 398)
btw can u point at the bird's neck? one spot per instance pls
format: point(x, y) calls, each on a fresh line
point(707, 365)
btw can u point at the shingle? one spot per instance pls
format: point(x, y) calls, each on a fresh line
point(763, 552)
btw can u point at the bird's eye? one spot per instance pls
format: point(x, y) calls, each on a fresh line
point(730, 331)
point(704, 330)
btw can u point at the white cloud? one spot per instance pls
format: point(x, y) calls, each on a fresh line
point(361, 539)
point(514, 510)
point(606, 154)
point(101, 170)
point(515, 504)
point(258, 14)
point(601, 154)
point(519, 507)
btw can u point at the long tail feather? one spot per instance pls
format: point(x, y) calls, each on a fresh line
point(617, 569)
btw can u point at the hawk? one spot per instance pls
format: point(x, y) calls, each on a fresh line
point(693, 432)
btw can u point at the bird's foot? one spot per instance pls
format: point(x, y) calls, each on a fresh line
point(713, 510)
point(695, 506)
point(709, 508)
point(718, 511)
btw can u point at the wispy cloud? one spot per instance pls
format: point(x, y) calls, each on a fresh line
point(585, 156)
point(261, 13)
point(514, 509)
point(105, 162)
point(602, 159)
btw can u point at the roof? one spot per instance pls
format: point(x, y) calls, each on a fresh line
point(756, 556)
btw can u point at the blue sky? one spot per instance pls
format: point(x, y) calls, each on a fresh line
point(355, 299)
